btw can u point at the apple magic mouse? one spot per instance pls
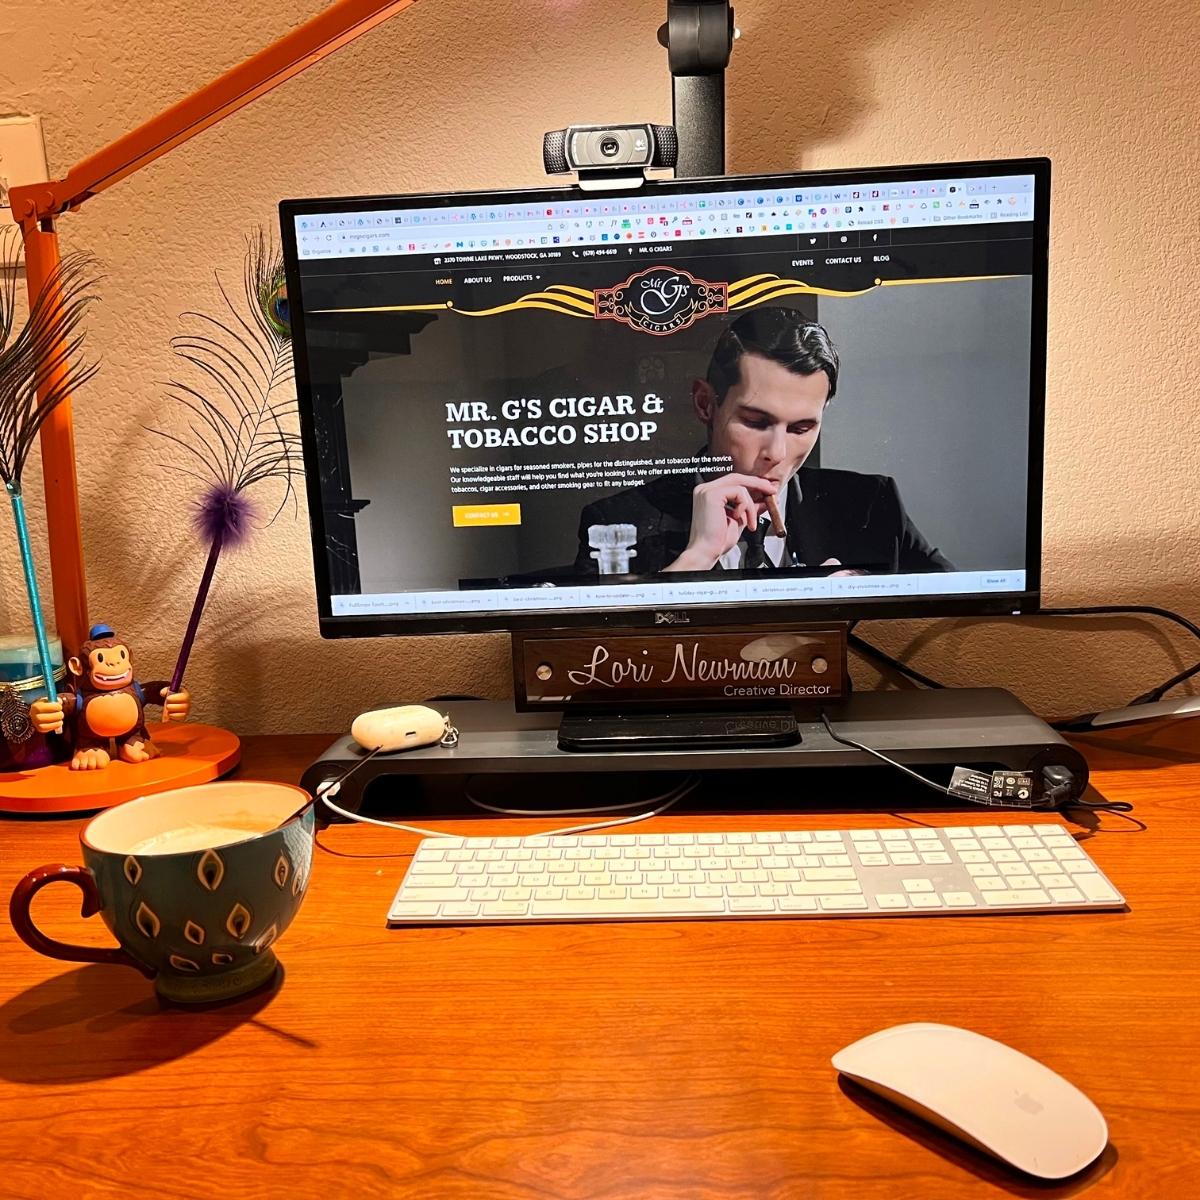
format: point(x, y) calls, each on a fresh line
point(986, 1093)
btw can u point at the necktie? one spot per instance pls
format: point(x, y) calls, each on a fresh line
point(756, 554)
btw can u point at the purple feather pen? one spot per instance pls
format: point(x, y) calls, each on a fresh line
point(239, 434)
point(223, 518)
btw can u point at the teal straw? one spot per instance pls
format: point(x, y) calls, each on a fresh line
point(31, 587)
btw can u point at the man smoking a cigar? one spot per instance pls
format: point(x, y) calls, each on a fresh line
point(772, 374)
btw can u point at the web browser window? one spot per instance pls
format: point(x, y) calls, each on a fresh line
point(553, 401)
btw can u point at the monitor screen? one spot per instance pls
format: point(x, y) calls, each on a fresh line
point(557, 407)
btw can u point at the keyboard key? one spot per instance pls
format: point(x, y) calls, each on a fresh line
point(958, 899)
point(410, 908)
point(817, 873)
point(751, 904)
point(873, 860)
point(426, 895)
point(917, 885)
point(974, 856)
point(894, 835)
point(992, 884)
point(1066, 895)
point(926, 900)
point(843, 903)
point(976, 870)
point(891, 900)
point(905, 859)
point(1055, 881)
point(1068, 853)
point(868, 848)
point(464, 908)
point(508, 908)
point(438, 867)
point(694, 906)
point(1031, 856)
point(1020, 882)
point(1094, 887)
point(797, 903)
point(828, 887)
point(1015, 897)
point(1004, 855)
point(423, 881)
point(936, 858)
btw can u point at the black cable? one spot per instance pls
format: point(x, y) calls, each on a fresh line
point(1156, 693)
point(1159, 692)
point(891, 762)
point(1056, 793)
point(1151, 610)
point(869, 651)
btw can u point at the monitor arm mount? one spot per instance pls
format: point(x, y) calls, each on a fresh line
point(698, 36)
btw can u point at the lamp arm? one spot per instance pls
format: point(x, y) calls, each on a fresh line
point(316, 39)
point(34, 207)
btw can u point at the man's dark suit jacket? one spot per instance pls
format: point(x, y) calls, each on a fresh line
point(857, 519)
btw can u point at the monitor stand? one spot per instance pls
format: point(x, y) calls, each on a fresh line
point(933, 731)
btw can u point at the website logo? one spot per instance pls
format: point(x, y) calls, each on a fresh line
point(661, 300)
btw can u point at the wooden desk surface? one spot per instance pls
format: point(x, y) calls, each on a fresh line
point(622, 1061)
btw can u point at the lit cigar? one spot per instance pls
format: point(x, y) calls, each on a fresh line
point(776, 516)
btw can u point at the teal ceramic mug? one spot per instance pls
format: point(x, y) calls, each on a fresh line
point(196, 885)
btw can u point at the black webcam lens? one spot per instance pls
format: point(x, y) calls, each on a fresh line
point(610, 147)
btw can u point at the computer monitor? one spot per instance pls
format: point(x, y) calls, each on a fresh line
point(556, 408)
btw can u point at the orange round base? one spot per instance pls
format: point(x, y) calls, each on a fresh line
point(187, 754)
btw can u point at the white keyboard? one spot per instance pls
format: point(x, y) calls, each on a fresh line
point(909, 871)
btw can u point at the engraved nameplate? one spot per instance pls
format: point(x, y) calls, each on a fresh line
point(771, 665)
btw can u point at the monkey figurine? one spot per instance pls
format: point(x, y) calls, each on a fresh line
point(106, 705)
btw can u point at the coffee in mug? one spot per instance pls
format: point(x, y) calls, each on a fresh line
point(196, 885)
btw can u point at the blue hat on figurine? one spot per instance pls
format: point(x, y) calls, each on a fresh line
point(100, 631)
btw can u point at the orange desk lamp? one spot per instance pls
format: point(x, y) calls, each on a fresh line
point(192, 753)
point(36, 206)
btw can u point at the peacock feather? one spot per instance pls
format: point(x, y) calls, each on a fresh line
point(46, 356)
point(239, 407)
point(46, 351)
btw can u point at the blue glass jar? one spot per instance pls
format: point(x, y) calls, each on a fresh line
point(21, 683)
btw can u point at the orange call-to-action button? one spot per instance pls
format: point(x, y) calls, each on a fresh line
point(466, 515)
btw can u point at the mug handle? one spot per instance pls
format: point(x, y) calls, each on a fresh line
point(32, 936)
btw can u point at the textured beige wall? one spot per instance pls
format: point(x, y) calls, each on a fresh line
point(456, 94)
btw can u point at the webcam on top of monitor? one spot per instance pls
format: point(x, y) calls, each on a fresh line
point(609, 156)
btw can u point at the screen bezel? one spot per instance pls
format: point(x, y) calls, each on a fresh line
point(858, 608)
